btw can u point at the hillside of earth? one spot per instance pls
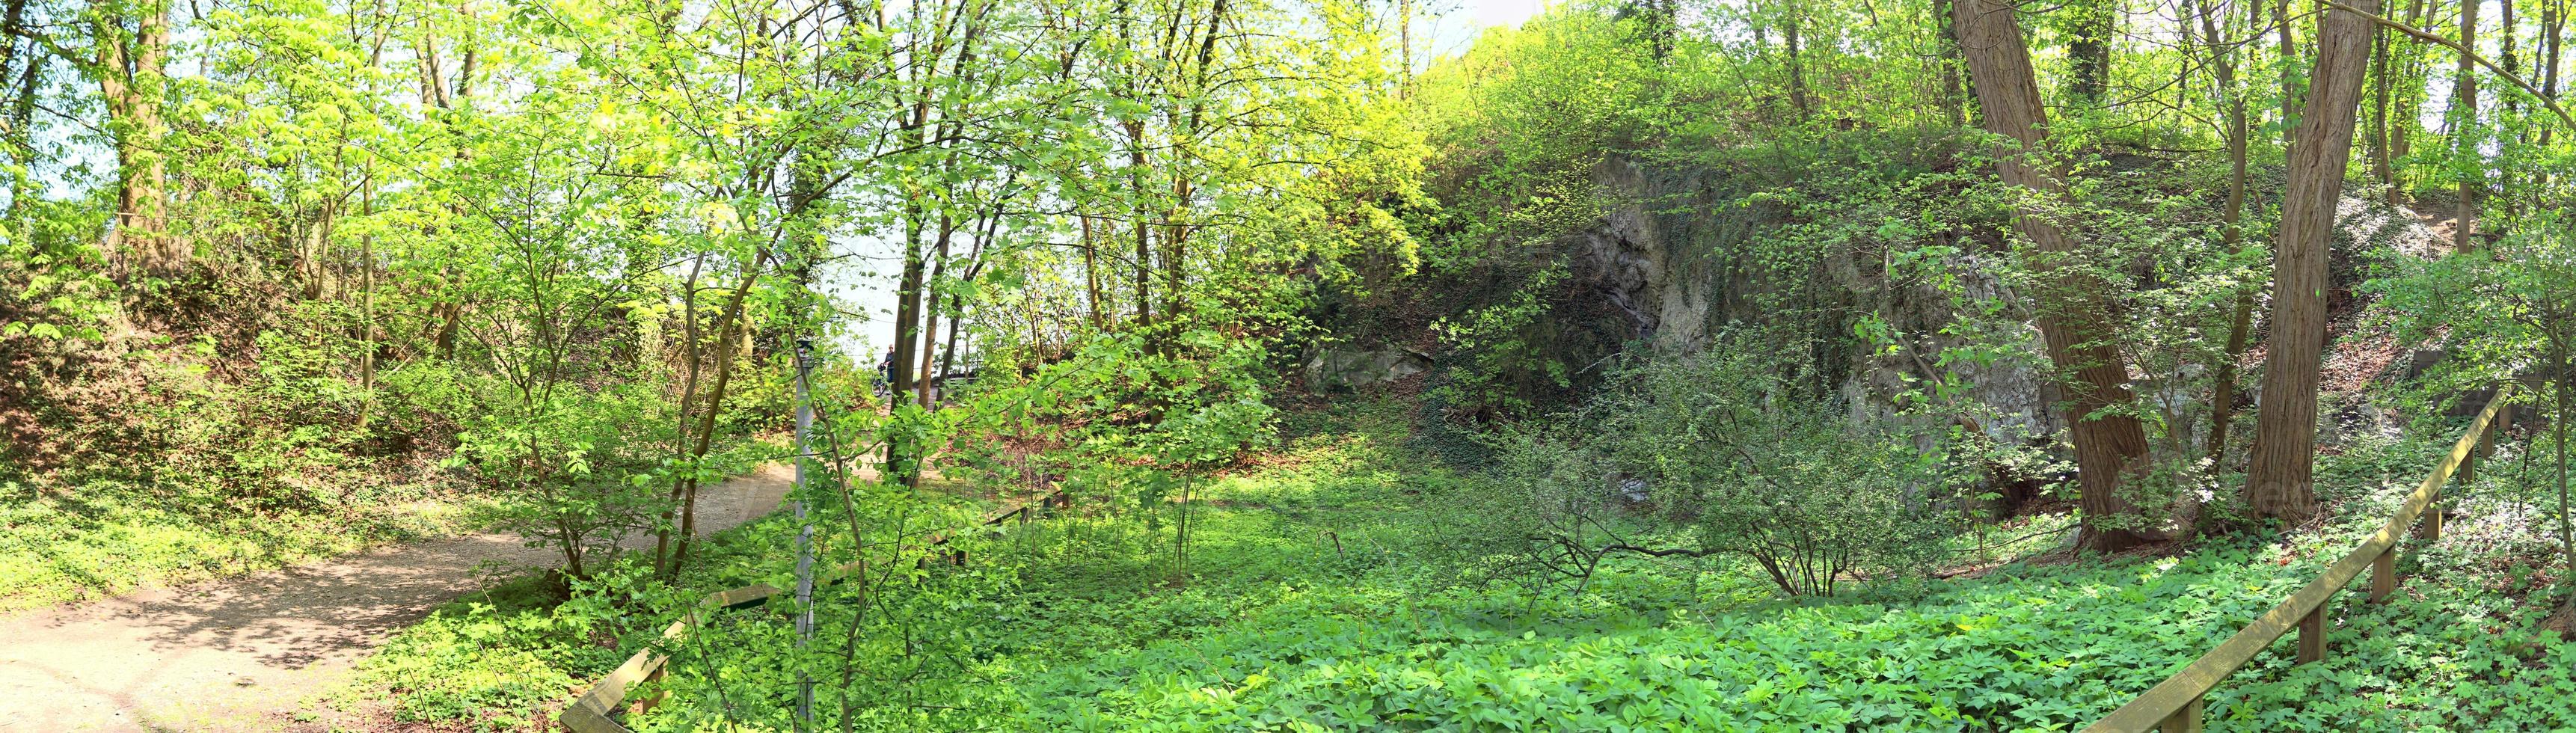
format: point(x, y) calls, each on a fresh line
point(1286, 365)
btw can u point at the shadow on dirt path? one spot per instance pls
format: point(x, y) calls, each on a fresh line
point(231, 655)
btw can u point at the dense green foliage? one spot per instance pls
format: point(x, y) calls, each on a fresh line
point(1647, 365)
point(1309, 608)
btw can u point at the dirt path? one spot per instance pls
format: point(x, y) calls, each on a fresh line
point(231, 655)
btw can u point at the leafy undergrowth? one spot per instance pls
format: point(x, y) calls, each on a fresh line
point(509, 657)
point(1312, 601)
point(107, 537)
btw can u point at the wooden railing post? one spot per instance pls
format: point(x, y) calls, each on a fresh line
point(2383, 575)
point(2312, 635)
point(2175, 704)
point(2186, 720)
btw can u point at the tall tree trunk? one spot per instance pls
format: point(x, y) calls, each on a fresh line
point(2464, 107)
point(131, 81)
point(2072, 319)
point(2278, 483)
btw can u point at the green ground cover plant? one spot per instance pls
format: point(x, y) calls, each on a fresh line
point(1311, 606)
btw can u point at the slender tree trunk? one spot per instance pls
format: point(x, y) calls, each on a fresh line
point(1797, 65)
point(1404, 45)
point(2410, 106)
point(2553, 16)
point(2072, 320)
point(2464, 104)
point(2383, 45)
point(2289, 50)
point(2278, 483)
point(1953, 99)
point(930, 331)
point(2505, 35)
point(729, 324)
point(1144, 264)
point(1091, 273)
point(367, 307)
point(907, 308)
point(1176, 240)
point(2222, 407)
point(956, 327)
point(2558, 434)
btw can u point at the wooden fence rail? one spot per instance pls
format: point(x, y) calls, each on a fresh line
point(2174, 705)
point(591, 712)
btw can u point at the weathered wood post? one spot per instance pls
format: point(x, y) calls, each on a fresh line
point(2383, 574)
point(2186, 720)
point(2312, 635)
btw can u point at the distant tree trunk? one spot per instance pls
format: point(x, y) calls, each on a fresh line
point(1953, 99)
point(2106, 446)
point(1404, 46)
point(2505, 34)
point(2090, 50)
point(1659, 17)
point(1797, 66)
point(2289, 49)
point(2464, 104)
point(2278, 483)
point(2553, 19)
point(2383, 45)
point(367, 306)
point(2410, 106)
point(907, 306)
point(1091, 273)
point(930, 307)
point(1144, 263)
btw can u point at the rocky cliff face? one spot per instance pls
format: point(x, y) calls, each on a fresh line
point(1663, 262)
point(1655, 257)
point(1667, 256)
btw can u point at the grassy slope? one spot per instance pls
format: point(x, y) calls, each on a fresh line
point(1278, 629)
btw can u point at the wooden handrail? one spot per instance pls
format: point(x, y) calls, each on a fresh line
point(2175, 704)
point(590, 712)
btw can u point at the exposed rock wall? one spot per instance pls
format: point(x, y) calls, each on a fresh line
point(1663, 258)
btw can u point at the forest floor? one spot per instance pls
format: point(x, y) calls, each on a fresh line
point(246, 653)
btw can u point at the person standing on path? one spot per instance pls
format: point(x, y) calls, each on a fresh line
point(885, 372)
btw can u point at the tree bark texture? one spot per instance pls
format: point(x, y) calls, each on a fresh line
point(2072, 319)
point(2278, 483)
